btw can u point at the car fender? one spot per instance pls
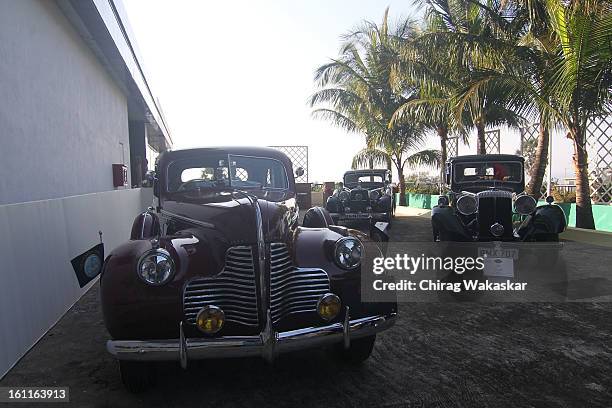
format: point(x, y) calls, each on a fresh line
point(145, 225)
point(314, 248)
point(444, 219)
point(128, 302)
point(333, 204)
point(549, 219)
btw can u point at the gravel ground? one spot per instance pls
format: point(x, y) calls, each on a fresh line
point(437, 355)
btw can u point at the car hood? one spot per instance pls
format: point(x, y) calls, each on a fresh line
point(233, 219)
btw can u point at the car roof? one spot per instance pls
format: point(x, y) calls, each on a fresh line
point(485, 158)
point(366, 171)
point(270, 152)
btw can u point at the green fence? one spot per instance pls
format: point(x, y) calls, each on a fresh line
point(601, 213)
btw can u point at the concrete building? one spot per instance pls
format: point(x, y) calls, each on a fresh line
point(74, 101)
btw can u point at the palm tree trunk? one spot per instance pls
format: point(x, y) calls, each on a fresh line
point(481, 144)
point(538, 167)
point(443, 134)
point(584, 211)
point(402, 186)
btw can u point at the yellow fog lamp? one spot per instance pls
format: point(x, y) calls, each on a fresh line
point(328, 306)
point(210, 319)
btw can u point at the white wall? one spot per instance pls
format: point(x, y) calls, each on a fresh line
point(37, 241)
point(62, 117)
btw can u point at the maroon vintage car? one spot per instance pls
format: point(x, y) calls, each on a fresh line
point(221, 268)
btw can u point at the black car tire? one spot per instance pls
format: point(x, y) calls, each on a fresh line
point(137, 376)
point(358, 352)
point(317, 217)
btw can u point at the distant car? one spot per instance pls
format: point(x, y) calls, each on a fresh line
point(487, 215)
point(487, 202)
point(220, 268)
point(365, 195)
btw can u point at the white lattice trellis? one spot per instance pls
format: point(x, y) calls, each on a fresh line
point(452, 146)
point(599, 141)
point(492, 141)
point(299, 157)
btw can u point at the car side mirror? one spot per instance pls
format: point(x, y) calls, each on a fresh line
point(299, 172)
point(151, 179)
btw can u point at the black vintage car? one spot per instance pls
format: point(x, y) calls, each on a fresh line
point(220, 268)
point(486, 216)
point(487, 202)
point(364, 195)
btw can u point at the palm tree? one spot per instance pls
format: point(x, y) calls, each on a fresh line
point(432, 106)
point(573, 85)
point(395, 147)
point(580, 82)
point(357, 94)
point(523, 39)
point(447, 46)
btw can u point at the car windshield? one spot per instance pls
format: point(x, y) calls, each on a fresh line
point(510, 172)
point(354, 179)
point(219, 171)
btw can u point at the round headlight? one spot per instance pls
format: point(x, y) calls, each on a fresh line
point(347, 253)
point(442, 201)
point(525, 204)
point(344, 195)
point(328, 306)
point(467, 205)
point(374, 195)
point(156, 267)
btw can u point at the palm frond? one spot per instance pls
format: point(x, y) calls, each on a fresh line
point(367, 155)
point(430, 158)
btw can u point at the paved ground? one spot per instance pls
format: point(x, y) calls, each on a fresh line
point(438, 355)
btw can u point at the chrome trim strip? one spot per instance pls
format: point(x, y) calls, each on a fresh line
point(359, 216)
point(268, 339)
point(169, 214)
point(346, 329)
point(183, 350)
point(261, 258)
point(248, 346)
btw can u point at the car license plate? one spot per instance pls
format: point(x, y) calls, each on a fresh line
point(356, 216)
point(498, 252)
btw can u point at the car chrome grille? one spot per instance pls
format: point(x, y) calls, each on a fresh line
point(233, 289)
point(494, 206)
point(359, 199)
point(292, 289)
point(495, 193)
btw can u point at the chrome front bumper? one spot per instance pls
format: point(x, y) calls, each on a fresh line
point(267, 345)
point(359, 216)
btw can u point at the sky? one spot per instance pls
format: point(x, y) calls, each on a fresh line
point(240, 72)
